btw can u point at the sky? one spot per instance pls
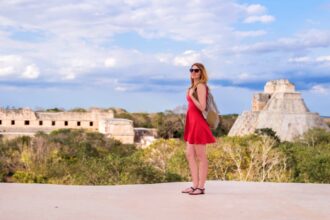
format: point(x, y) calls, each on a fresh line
point(136, 54)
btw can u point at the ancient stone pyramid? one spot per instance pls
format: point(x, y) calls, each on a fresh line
point(280, 108)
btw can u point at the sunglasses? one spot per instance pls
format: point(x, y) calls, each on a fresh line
point(194, 70)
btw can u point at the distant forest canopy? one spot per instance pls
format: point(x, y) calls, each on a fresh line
point(79, 157)
point(76, 156)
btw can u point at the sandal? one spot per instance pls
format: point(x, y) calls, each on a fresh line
point(185, 191)
point(200, 189)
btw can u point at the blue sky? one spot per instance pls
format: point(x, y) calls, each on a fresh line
point(136, 54)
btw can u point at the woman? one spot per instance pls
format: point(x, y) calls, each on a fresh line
point(197, 132)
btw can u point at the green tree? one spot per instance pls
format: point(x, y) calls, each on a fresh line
point(309, 156)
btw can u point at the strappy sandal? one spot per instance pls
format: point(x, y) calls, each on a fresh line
point(200, 189)
point(184, 191)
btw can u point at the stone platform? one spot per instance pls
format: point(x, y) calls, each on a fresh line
point(223, 200)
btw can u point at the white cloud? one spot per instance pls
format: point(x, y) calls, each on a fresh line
point(124, 58)
point(244, 76)
point(79, 39)
point(97, 21)
point(7, 70)
point(256, 13)
point(10, 59)
point(121, 88)
point(5, 21)
point(323, 59)
point(75, 33)
point(261, 18)
point(187, 58)
point(303, 59)
point(164, 57)
point(310, 60)
point(115, 84)
point(256, 33)
point(110, 62)
point(255, 9)
point(302, 41)
point(31, 72)
point(10, 64)
point(320, 89)
point(15, 66)
point(73, 7)
point(77, 66)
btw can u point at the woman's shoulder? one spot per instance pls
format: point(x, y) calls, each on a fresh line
point(202, 85)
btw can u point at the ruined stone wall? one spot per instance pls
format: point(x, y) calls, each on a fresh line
point(26, 120)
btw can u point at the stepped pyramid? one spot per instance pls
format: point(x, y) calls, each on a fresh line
point(281, 108)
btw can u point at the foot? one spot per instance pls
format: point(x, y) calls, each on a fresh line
point(197, 191)
point(188, 190)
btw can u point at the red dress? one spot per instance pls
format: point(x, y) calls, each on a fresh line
point(196, 130)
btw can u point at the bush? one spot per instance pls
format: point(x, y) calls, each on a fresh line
point(225, 124)
point(309, 157)
point(167, 156)
point(269, 132)
point(55, 110)
point(78, 110)
point(71, 156)
point(247, 158)
point(169, 124)
point(28, 177)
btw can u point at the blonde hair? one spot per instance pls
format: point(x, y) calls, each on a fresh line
point(203, 78)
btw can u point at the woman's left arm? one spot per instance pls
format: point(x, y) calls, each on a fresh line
point(201, 93)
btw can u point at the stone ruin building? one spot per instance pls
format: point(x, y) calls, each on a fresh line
point(145, 136)
point(280, 108)
point(27, 122)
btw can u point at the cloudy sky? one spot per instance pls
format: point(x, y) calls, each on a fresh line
point(135, 54)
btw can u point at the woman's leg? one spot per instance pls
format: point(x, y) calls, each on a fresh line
point(200, 150)
point(191, 157)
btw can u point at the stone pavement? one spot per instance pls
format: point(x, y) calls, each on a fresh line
point(223, 200)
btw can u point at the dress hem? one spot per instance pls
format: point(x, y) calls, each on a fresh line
point(201, 143)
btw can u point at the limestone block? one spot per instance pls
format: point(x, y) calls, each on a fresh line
point(144, 136)
point(118, 128)
point(244, 124)
point(281, 85)
point(286, 102)
point(259, 101)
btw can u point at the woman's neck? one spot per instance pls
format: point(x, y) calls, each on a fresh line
point(196, 82)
